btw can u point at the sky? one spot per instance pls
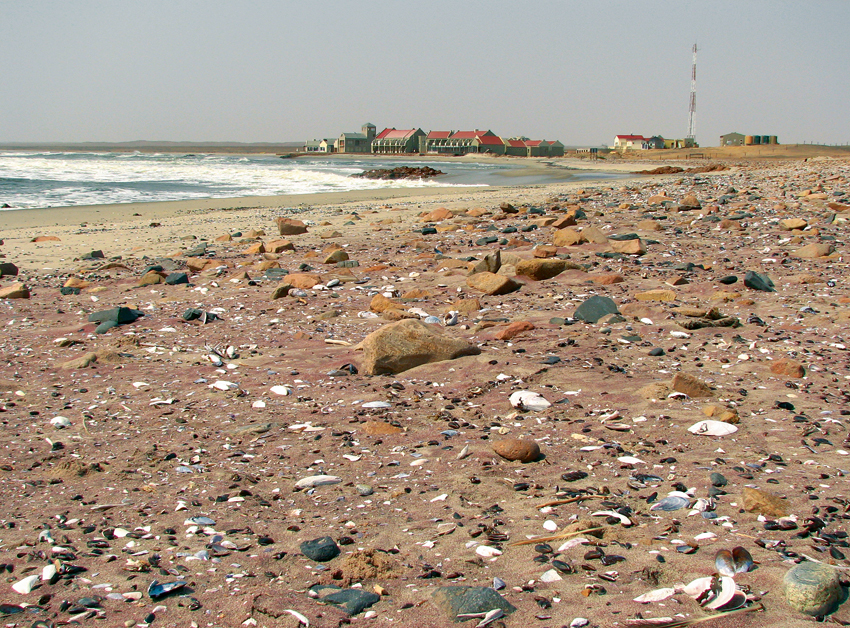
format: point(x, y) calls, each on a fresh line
point(290, 70)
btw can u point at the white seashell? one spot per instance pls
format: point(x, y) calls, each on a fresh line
point(140, 384)
point(121, 533)
point(612, 513)
point(216, 361)
point(485, 551)
point(280, 390)
point(646, 321)
point(419, 463)
point(656, 595)
point(47, 572)
point(724, 596)
point(351, 457)
point(26, 585)
point(527, 400)
point(680, 334)
point(697, 587)
point(573, 543)
point(230, 352)
point(630, 460)
point(463, 453)
point(704, 536)
point(551, 576)
point(450, 319)
point(550, 525)
point(223, 385)
point(377, 404)
point(298, 616)
point(712, 428)
point(258, 404)
point(60, 422)
point(317, 480)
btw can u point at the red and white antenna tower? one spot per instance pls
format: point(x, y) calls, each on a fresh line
point(692, 109)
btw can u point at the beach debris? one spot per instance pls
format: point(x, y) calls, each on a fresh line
point(157, 590)
point(710, 427)
point(672, 502)
point(517, 449)
point(656, 595)
point(812, 588)
point(26, 585)
point(321, 550)
point(526, 400)
point(317, 480)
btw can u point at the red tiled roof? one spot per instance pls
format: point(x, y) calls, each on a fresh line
point(465, 135)
point(382, 134)
point(399, 134)
point(631, 137)
point(489, 140)
point(534, 142)
point(439, 135)
point(516, 143)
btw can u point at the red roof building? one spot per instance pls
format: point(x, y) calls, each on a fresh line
point(397, 141)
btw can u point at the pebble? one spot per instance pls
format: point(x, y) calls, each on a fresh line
point(321, 550)
point(812, 588)
point(517, 449)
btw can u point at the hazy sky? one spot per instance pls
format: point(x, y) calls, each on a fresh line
point(576, 70)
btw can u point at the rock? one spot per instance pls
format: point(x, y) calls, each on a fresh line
point(380, 428)
point(540, 269)
point(691, 386)
point(565, 221)
point(321, 550)
point(629, 247)
point(757, 281)
point(608, 279)
point(15, 291)
point(281, 291)
point(544, 251)
point(118, 315)
point(76, 282)
point(656, 295)
point(727, 415)
point(279, 246)
point(567, 237)
point(514, 329)
point(787, 368)
point(336, 256)
point(791, 224)
point(304, 281)
point(151, 278)
point(517, 449)
point(380, 303)
point(408, 343)
point(255, 249)
point(8, 269)
point(492, 284)
point(595, 308)
point(813, 251)
point(491, 263)
point(812, 588)
point(463, 600)
point(763, 503)
point(352, 601)
point(290, 226)
point(437, 215)
point(689, 202)
point(82, 362)
point(400, 172)
point(594, 234)
point(45, 239)
point(174, 279)
point(329, 234)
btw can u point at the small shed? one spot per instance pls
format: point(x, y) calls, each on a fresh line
point(732, 139)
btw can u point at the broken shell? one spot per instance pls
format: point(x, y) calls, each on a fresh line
point(671, 503)
point(377, 404)
point(656, 595)
point(317, 480)
point(724, 595)
point(527, 400)
point(60, 422)
point(280, 390)
point(712, 428)
point(26, 585)
point(612, 513)
point(485, 551)
point(156, 589)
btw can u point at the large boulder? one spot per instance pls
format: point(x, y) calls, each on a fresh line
point(15, 291)
point(408, 343)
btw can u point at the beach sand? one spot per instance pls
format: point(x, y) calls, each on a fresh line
point(166, 423)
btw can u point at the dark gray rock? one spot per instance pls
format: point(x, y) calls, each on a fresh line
point(456, 601)
point(93, 255)
point(105, 326)
point(321, 550)
point(8, 269)
point(68, 290)
point(717, 479)
point(595, 308)
point(118, 315)
point(656, 352)
point(352, 601)
point(728, 280)
point(757, 281)
point(177, 278)
point(622, 237)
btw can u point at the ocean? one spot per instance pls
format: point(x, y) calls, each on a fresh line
point(58, 179)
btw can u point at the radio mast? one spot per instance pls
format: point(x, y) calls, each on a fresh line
point(692, 109)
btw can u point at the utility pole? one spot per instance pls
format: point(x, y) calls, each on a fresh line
point(692, 109)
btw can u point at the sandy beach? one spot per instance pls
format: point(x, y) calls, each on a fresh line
point(358, 381)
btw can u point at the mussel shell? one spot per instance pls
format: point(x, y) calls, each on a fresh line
point(724, 563)
point(743, 560)
point(670, 503)
point(156, 589)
